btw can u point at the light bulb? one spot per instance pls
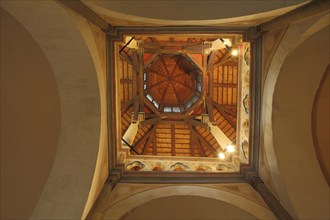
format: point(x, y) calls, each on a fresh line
point(221, 155)
point(234, 52)
point(230, 148)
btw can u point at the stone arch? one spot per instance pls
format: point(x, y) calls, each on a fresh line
point(117, 210)
point(70, 179)
point(286, 110)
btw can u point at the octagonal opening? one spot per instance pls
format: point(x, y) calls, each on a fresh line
point(172, 83)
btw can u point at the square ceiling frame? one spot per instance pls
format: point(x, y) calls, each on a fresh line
point(117, 171)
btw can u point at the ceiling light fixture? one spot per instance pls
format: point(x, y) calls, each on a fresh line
point(221, 155)
point(234, 52)
point(230, 148)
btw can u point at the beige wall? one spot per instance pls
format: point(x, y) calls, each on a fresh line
point(321, 124)
point(30, 119)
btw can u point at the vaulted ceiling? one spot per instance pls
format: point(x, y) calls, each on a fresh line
point(176, 82)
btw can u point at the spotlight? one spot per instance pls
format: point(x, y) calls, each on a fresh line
point(230, 148)
point(234, 52)
point(221, 155)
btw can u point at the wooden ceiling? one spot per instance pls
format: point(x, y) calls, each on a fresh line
point(169, 70)
point(169, 82)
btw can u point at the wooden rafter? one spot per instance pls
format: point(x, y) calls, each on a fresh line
point(164, 64)
point(192, 150)
point(172, 140)
point(151, 59)
point(179, 75)
point(125, 57)
point(154, 142)
point(210, 64)
point(135, 108)
point(230, 85)
point(151, 121)
point(194, 122)
point(225, 114)
point(174, 69)
point(126, 105)
point(156, 84)
point(194, 61)
point(225, 59)
point(157, 73)
point(150, 105)
point(144, 138)
point(209, 108)
point(202, 140)
point(196, 141)
point(163, 96)
point(181, 83)
point(140, 84)
point(177, 96)
point(150, 138)
point(126, 81)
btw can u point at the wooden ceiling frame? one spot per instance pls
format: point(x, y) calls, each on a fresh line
point(180, 177)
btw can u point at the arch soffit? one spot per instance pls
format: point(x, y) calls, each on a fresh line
point(64, 47)
point(247, 18)
point(294, 36)
point(117, 210)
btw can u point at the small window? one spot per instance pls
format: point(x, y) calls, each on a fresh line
point(199, 87)
point(155, 104)
point(144, 77)
point(167, 109)
point(176, 109)
point(145, 86)
point(194, 99)
point(188, 104)
point(149, 97)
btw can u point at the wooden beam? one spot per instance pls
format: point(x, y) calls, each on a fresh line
point(154, 142)
point(171, 44)
point(126, 105)
point(195, 61)
point(196, 141)
point(230, 85)
point(163, 96)
point(151, 121)
point(177, 96)
point(197, 123)
point(225, 115)
point(200, 46)
point(179, 75)
point(187, 86)
point(125, 57)
point(209, 108)
point(156, 84)
point(141, 82)
point(80, 8)
point(202, 140)
point(173, 140)
point(150, 105)
point(164, 64)
point(135, 108)
point(225, 59)
point(192, 150)
point(144, 138)
point(157, 73)
point(150, 138)
point(135, 71)
point(126, 81)
point(151, 59)
point(210, 64)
